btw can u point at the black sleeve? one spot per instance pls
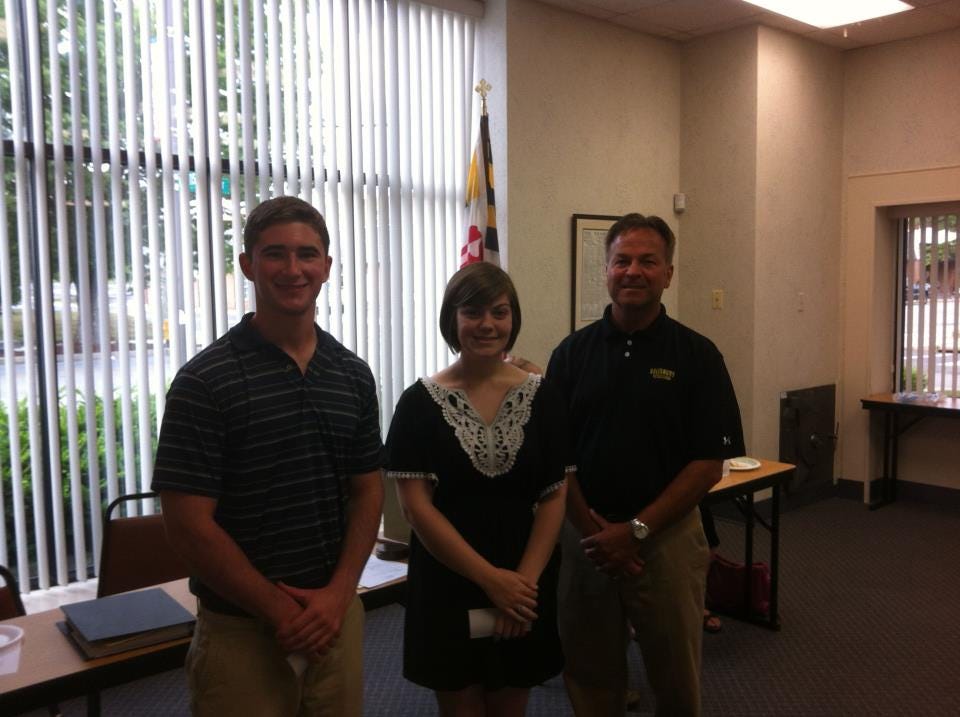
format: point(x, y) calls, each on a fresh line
point(408, 441)
point(555, 441)
point(718, 432)
point(558, 372)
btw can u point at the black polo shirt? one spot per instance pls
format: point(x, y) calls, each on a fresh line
point(641, 407)
point(274, 446)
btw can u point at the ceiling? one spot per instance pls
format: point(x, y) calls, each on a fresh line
point(685, 19)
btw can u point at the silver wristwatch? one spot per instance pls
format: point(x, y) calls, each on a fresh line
point(640, 529)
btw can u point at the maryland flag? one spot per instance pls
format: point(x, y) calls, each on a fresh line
point(480, 233)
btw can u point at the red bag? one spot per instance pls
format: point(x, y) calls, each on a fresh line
point(725, 586)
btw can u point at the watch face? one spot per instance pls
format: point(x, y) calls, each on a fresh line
point(640, 529)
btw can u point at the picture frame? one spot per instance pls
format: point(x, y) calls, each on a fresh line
point(590, 295)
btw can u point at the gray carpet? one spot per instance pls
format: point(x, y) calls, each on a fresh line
point(869, 608)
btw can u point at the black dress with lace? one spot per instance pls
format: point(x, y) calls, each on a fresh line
point(488, 480)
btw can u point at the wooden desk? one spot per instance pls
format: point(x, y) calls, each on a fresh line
point(52, 670)
point(898, 417)
point(744, 485)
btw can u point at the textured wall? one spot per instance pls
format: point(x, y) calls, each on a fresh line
point(718, 174)
point(930, 451)
point(760, 162)
point(749, 124)
point(901, 146)
point(799, 148)
point(593, 122)
point(902, 105)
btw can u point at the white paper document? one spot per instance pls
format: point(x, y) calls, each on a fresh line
point(377, 572)
point(298, 662)
point(482, 621)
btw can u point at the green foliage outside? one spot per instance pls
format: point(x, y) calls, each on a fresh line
point(918, 380)
point(934, 252)
point(940, 253)
point(83, 438)
point(70, 27)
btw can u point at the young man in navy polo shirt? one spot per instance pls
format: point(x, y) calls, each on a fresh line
point(269, 469)
point(653, 415)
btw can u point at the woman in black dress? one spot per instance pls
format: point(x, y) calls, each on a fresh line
point(478, 453)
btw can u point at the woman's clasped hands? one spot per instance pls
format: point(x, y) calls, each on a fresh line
point(515, 597)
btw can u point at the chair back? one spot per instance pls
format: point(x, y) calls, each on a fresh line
point(10, 603)
point(135, 552)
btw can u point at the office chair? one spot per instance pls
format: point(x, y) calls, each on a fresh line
point(135, 552)
point(11, 605)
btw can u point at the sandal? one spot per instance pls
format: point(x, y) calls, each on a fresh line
point(711, 623)
point(634, 700)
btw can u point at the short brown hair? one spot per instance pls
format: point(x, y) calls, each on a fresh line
point(283, 210)
point(632, 221)
point(478, 284)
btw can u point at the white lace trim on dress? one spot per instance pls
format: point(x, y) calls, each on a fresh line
point(492, 449)
point(412, 475)
point(551, 488)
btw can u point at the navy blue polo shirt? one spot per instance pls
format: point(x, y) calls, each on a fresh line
point(642, 406)
point(274, 446)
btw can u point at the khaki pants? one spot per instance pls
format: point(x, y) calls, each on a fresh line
point(665, 606)
point(234, 667)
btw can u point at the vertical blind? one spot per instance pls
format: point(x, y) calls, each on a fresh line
point(137, 134)
point(928, 341)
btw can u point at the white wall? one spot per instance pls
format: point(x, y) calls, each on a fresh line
point(718, 174)
point(760, 162)
point(593, 127)
point(901, 146)
point(902, 105)
point(775, 140)
point(799, 146)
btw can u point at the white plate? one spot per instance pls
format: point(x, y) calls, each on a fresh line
point(744, 463)
point(10, 635)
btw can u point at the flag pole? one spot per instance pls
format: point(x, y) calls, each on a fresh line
point(479, 241)
point(482, 88)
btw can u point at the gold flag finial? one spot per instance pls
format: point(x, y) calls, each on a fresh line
point(482, 88)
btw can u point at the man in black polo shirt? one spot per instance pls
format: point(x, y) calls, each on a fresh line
point(269, 469)
point(653, 415)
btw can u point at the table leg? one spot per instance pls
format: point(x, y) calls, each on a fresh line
point(774, 557)
point(93, 704)
point(748, 557)
point(889, 462)
point(894, 456)
point(887, 450)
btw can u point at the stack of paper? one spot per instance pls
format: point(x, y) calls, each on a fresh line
point(378, 572)
point(126, 621)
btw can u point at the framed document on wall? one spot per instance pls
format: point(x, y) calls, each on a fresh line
point(590, 295)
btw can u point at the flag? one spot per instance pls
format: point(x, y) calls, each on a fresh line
point(480, 231)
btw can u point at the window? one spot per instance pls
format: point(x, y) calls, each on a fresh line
point(928, 299)
point(136, 136)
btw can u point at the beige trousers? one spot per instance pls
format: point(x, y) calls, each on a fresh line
point(234, 667)
point(665, 606)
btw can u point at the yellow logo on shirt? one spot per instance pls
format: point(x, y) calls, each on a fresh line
point(662, 374)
